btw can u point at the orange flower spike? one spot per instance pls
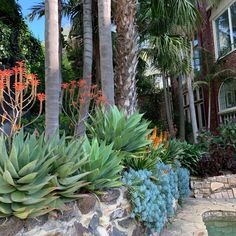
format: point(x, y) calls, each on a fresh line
point(65, 85)
point(81, 83)
point(7, 73)
point(73, 83)
point(165, 136)
point(34, 82)
point(161, 137)
point(19, 86)
point(41, 97)
point(156, 143)
point(154, 135)
point(15, 70)
point(2, 84)
point(148, 137)
point(93, 86)
point(20, 63)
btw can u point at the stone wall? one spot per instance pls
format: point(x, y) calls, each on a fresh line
point(107, 215)
point(214, 187)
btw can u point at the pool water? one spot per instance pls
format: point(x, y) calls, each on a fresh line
point(220, 223)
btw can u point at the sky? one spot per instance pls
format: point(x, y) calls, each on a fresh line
point(37, 26)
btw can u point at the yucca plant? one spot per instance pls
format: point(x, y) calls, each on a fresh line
point(105, 164)
point(128, 134)
point(25, 179)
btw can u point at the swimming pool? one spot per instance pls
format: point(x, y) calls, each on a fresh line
point(220, 223)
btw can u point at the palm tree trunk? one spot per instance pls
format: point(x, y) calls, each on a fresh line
point(126, 55)
point(190, 78)
point(181, 109)
point(192, 107)
point(105, 47)
point(168, 111)
point(87, 65)
point(52, 67)
point(209, 108)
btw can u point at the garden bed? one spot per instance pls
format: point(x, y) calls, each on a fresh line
point(214, 187)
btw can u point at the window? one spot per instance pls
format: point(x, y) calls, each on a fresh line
point(225, 29)
point(196, 55)
point(227, 94)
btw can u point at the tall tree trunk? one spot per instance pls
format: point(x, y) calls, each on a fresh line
point(190, 78)
point(87, 64)
point(168, 110)
point(97, 60)
point(209, 108)
point(52, 67)
point(105, 47)
point(126, 55)
point(60, 49)
point(181, 109)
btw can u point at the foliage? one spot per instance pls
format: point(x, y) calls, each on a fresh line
point(128, 134)
point(39, 125)
point(104, 163)
point(37, 175)
point(220, 151)
point(153, 192)
point(187, 154)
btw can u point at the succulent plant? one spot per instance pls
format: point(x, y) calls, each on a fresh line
point(37, 175)
point(105, 164)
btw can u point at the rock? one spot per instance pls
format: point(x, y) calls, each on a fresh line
point(215, 186)
point(102, 231)
point(94, 224)
point(230, 193)
point(80, 229)
point(116, 232)
point(87, 204)
point(110, 196)
point(139, 231)
point(10, 227)
point(125, 223)
point(234, 192)
point(119, 213)
point(232, 180)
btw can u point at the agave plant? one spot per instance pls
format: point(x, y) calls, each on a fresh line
point(37, 175)
point(127, 134)
point(25, 187)
point(105, 164)
point(70, 161)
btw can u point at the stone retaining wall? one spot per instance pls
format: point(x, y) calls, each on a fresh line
point(214, 187)
point(107, 215)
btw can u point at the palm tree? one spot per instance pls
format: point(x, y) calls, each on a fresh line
point(87, 64)
point(52, 67)
point(105, 48)
point(126, 55)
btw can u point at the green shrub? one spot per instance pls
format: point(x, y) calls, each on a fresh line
point(187, 154)
point(112, 126)
point(37, 175)
point(104, 163)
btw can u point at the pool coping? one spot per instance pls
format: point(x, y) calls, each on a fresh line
point(189, 218)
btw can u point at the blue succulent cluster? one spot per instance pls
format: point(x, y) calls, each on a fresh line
point(183, 182)
point(168, 183)
point(153, 192)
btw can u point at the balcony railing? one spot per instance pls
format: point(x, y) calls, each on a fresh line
point(227, 115)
